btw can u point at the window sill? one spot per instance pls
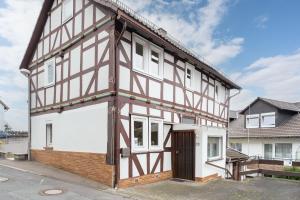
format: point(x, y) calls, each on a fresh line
point(214, 159)
point(48, 148)
point(147, 74)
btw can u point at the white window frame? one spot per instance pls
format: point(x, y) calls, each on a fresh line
point(148, 46)
point(235, 144)
point(217, 92)
point(49, 143)
point(280, 157)
point(272, 152)
point(262, 121)
point(192, 68)
point(158, 50)
point(220, 148)
point(251, 117)
point(144, 120)
point(160, 134)
point(46, 71)
point(64, 7)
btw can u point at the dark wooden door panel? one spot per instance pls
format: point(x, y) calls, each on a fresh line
point(184, 154)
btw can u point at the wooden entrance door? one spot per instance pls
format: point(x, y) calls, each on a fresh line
point(183, 154)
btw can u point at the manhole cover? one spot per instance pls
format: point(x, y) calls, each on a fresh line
point(51, 192)
point(2, 179)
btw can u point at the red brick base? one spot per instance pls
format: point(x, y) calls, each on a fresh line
point(146, 179)
point(207, 178)
point(90, 165)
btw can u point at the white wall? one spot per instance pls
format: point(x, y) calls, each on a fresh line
point(202, 133)
point(256, 146)
point(1, 117)
point(79, 130)
point(14, 145)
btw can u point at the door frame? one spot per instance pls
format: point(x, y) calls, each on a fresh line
point(193, 151)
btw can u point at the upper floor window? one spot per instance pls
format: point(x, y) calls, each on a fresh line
point(189, 76)
point(67, 12)
point(267, 119)
point(252, 121)
point(217, 93)
point(147, 57)
point(50, 72)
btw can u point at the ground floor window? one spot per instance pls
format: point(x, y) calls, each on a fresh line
point(49, 135)
point(236, 146)
point(214, 148)
point(146, 133)
point(268, 151)
point(283, 150)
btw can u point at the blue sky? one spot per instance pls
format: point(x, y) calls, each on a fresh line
point(255, 42)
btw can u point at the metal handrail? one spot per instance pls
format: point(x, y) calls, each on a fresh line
point(217, 166)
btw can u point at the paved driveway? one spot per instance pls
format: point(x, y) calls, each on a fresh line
point(22, 185)
point(251, 189)
point(27, 179)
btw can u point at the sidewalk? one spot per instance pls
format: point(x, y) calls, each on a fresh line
point(51, 172)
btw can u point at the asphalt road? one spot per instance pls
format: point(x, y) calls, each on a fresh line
point(27, 186)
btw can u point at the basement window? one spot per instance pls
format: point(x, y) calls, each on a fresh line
point(67, 12)
point(49, 135)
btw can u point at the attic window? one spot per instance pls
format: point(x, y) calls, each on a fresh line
point(252, 121)
point(67, 10)
point(267, 120)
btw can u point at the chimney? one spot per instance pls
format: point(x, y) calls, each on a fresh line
point(162, 31)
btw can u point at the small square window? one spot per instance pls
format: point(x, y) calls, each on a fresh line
point(49, 72)
point(48, 135)
point(252, 121)
point(267, 120)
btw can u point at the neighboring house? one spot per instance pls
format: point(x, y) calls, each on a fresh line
point(273, 128)
point(110, 91)
point(3, 108)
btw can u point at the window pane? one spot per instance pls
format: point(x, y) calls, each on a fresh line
point(283, 150)
point(67, 9)
point(50, 73)
point(154, 134)
point(268, 151)
point(154, 64)
point(213, 147)
point(268, 120)
point(139, 56)
point(48, 135)
point(252, 121)
point(236, 146)
point(188, 77)
point(138, 133)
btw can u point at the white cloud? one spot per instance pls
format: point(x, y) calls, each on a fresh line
point(261, 21)
point(196, 30)
point(276, 77)
point(17, 20)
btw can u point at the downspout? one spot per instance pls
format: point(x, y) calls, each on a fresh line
point(230, 97)
point(26, 73)
point(116, 83)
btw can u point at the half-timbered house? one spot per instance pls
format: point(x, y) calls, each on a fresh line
point(116, 99)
